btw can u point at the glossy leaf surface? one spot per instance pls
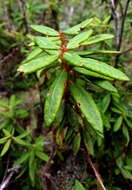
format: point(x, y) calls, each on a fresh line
point(45, 43)
point(74, 42)
point(88, 107)
point(76, 29)
point(45, 30)
point(37, 63)
point(53, 99)
point(97, 38)
point(91, 73)
point(76, 143)
point(96, 66)
point(106, 85)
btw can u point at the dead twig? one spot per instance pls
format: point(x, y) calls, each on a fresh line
point(9, 26)
point(25, 13)
point(95, 171)
point(121, 31)
point(116, 17)
point(7, 179)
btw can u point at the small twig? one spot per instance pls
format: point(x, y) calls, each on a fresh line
point(95, 171)
point(126, 51)
point(25, 16)
point(9, 27)
point(116, 17)
point(5, 183)
point(42, 17)
point(48, 164)
point(11, 54)
point(20, 6)
point(121, 32)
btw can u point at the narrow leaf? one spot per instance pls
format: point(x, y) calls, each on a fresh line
point(96, 39)
point(74, 42)
point(54, 97)
point(4, 139)
point(118, 123)
point(105, 103)
point(106, 85)
point(126, 134)
point(19, 141)
point(76, 29)
point(42, 156)
point(76, 143)
point(37, 63)
point(3, 105)
point(88, 142)
point(22, 159)
point(89, 52)
point(94, 65)
point(45, 43)
point(45, 30)
point(32, 167)
point(91, 73)
point(88, 107)
point(35, 52)
point(5, 148)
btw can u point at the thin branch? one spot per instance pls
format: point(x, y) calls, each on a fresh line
point(121, 32)
point(116, 17)
point(48, 164)
point(95, 171)
point(25, 16)
point(9, 26)
point(42, 17)
point(11, 54)
point(20, 6)
point(6, 181)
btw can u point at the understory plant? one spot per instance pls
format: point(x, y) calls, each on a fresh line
point(80, 98)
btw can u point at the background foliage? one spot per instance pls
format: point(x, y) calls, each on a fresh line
point(33, 156)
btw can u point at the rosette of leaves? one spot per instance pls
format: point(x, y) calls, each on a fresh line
point(68, 101)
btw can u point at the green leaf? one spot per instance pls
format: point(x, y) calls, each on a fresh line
point(95, 66)
point(74, 119)
point(74, 42)
point(19, 141)
point(96, 39)
point(45, 43)
point(5, 148)
point(24, 134)
point(45, 30)
point(106, 85)
point(6, 132)
point(22, 113)
point(76, 29)
point(128, 122)
point(78, 186)
point(42, 156)
point(87, 106)
point(24, 157)
point(105, 103)
point(91, 73)
point(37, 63)
point(32, 167)
point(88, 142)
point(12, 101)
point(118, 123)
point(35, 52)
point(59, 115)
point(89, 52)
point(76, 143)
point(4, 139)
point(126, 134)
point(53, 99)
point(3, 105)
